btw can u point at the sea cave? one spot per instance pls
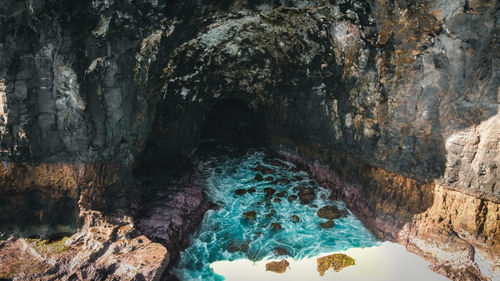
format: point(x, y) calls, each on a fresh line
point(250, 140)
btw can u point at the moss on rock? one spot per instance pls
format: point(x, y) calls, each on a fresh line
point(335, 261)
point(44, 247)
point(277, 266)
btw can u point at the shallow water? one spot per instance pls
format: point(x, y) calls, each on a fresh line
point(225, 235)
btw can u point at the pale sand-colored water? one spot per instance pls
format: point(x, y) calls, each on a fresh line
point(387, 262)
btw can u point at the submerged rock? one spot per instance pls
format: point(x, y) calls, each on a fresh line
point(240, 192)
point(306, 194)
point(258, 177)
point(335, 261)
point(295, 218)
point(251, 215)
point(251, 190)
point(237, 246)
point(264, 170)
point(328, 224)
point(292, 198)
point(276, 226)
point(277, 266)
point(283, 181)
point(276, 200)
point(280, 251)
point(271, 213)
point(269, 191)
point(281, 194)
point(269, 178)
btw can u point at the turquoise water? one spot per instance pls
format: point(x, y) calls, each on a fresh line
point(225, 234)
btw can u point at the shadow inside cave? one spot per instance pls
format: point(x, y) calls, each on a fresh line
point(232, 122)
point(35, 214)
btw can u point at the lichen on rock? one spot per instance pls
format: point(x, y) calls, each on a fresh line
point(336, 262)
point(277, 266)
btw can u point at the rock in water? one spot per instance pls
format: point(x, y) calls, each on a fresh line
point(269, 191)
point(252, 215)
point(281, 194)
point(264, 170)
point(306, 194)
point(329, 212)
point(328, 224)
point(240, 192)
point(276, 226)
point(279, 251)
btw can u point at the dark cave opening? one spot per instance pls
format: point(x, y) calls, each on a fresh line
point(231, 121)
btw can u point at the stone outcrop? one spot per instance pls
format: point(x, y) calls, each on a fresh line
point(104, 249)
point(457, 233)
point(399, 98)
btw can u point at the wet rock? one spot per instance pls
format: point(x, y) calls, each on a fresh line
point(276, 200)
point(281, 194)
point(276, 226)
point(240, 192)
point(292, 198)
point(328, 224)
point(251, 215)
point(269, 178)
point(237, 246)
point(271, 213)
point(295, 218)
point(277, 163)
point(282, 181)
point(251, 190)
point(277, 266)
point(306, 194)
point(280, 251)
point(258, 177)
point(264, 170)
point(330, 212)
point(269, 191)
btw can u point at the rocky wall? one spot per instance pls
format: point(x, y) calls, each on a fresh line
point(399, 97)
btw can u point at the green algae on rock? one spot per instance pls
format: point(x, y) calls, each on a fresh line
point(44, 247)
point(335, 261)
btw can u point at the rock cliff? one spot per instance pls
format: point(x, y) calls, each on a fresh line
point(394, 103)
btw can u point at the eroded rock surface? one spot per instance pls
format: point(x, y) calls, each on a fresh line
point(400, 98)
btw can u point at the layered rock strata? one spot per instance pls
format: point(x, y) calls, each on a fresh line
point(399, 97)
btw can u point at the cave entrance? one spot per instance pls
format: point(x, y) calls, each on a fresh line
point(231, 121)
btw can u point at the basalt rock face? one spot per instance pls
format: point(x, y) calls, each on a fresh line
point(400, 98)
point(406, 87)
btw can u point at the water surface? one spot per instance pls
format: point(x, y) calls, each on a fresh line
point(225, 235)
